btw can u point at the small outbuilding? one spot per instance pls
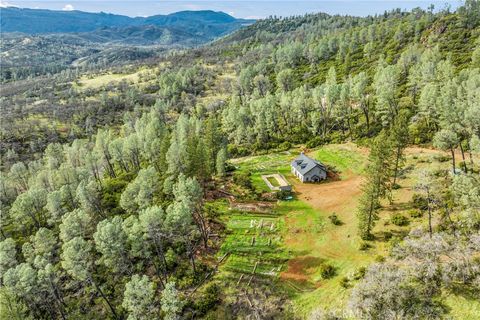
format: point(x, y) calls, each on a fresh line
point(307, 169)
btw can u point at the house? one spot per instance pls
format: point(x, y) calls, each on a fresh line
point(308, 170)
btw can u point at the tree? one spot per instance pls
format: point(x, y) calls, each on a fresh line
point(180, 225)
point(400, 298)
point(13, 308)
point(189, 192)
point(385, 84)
point(141, 192)
point(89, 197)
point(446, 139)
point(22, 281)
point(466, 193)
point(220, 162)
point(135, 237)
point(325, 98)
point(171, 303)
point(285, 80)
point(426, 186)
point(152, 221)
point(75, 224)
point(30, 205)
point(378, 172)
point(111, 242)
point(44, 244)
point(360, 95)
point(77, 262)
point(399, 139)
point(19, 175)
point(138, 298)
point(8, 254)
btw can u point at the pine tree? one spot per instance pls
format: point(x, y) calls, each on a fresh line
point(378, 174)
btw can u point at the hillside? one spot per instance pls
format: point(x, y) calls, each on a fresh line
point(36, 42)
point(137, 190)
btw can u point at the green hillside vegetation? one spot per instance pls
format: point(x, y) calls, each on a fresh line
point(135, 191)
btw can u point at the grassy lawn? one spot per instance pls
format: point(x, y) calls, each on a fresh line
point(273, 181)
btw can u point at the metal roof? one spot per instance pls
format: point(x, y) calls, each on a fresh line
point(304, 164)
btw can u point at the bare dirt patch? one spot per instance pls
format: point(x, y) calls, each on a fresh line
point(330, 196)
point(300, 269)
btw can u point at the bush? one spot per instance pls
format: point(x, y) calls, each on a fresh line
point(334, 219)
point(315, 142)
point(364, 246)
point(237, 151)
point(396, 186)
point(208, 299)
point(284, 146)
point(415, 213)
point(327, 271)
point(344, 282)
point(243, 179)
point(419, 202)
point(360, 273)
point(379, 258)
point(387, 235)
point(442, 158)
point(399, 220)
point(283, 194)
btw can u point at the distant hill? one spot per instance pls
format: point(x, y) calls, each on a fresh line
point(38, 21)
point(35, 42)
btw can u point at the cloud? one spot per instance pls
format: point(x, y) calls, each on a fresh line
point(5, 4)
point(68, 7)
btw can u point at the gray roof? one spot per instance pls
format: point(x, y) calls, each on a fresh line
point(304, 164)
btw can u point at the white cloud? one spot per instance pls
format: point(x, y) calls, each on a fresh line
point(4, 4)
point(68, 7)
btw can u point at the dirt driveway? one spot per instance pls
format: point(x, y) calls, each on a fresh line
point(331, 196)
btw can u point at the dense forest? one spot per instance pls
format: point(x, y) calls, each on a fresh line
point(109, 173)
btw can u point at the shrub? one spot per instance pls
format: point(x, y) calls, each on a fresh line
point(396, 186)
point(243, 179)
point(360, 273)
point(415, 213)
point(284, 146)
point(399, 220)
point(345, 282)
point(387, 235)
point(379, 258)
point(442, 158)
point(315, 142)
point(327, 271)
point(209, 299)
point(283, 194)
point(364, 246)
point(419, 202)
point(334, 219)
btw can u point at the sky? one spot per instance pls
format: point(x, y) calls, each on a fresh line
point(237, 8)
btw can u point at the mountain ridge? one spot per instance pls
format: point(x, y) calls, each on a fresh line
point(44, 21)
